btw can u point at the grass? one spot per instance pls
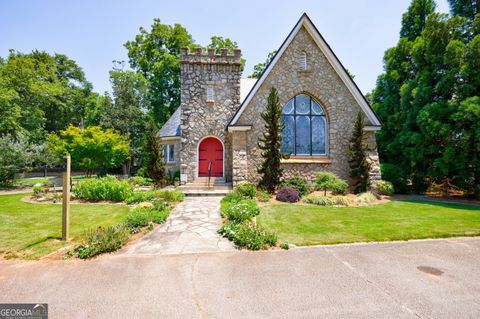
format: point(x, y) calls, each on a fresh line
point(29, 182)
point(397, 220)
point(32, 230)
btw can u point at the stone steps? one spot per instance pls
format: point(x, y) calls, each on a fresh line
point(200, 187)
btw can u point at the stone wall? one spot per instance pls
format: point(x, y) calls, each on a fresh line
point(322, 83)
point(201, 118)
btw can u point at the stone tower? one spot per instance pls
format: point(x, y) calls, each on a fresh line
point(210, 95)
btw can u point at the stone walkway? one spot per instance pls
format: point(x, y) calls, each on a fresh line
point(191, 228)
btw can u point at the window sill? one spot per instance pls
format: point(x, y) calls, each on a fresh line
point(306, 160)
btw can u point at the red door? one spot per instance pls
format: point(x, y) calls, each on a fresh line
point(210, 153)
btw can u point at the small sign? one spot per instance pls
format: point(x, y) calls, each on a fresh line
point(23, 310)
point(183, 178)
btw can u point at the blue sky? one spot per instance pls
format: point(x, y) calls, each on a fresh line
point(92, 32)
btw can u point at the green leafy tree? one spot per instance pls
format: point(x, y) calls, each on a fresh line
point(127, 112)
point(218, 42)
point(359, 162)
point(270, 143)
point(465, 8)
point(91, 148)
point(156, 55)
point(154, 161)
point(428, 75)
point(414, 20)
point(260, 67)
point(44, 92)
point(16, 155)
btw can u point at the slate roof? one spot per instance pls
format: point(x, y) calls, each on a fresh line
point(172, 126)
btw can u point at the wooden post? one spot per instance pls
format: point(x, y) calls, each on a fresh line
point(66, 200)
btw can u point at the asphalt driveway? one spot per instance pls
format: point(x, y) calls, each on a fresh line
point(418, 279)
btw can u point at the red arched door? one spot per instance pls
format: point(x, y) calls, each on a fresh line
point(210, 153)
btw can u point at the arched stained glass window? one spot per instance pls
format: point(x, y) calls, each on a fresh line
point(305, 127)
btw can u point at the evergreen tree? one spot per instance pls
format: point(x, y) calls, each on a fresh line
point(414, 20)
point(421, 98)
point(270, 143)
point(359, 163)
point(465, 8)
point(154, 164)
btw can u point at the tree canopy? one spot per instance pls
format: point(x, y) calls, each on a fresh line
point(155, 53)
point(430, 82)
point(40, 93)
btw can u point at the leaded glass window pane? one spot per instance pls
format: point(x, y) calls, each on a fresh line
point(302, 104)
point(302, 143)
point(316, 109)
point(288, 108)
point(318, 135)
point(305, 127)
point(165, 153)
point(171, 156)
point(288, 134)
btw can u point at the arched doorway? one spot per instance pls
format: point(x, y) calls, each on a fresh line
point(210, 154)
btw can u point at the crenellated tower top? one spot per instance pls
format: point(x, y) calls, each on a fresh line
point(200, 56)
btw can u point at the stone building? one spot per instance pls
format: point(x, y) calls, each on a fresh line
point(217, 127)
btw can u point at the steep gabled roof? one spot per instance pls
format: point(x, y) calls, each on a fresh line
point(171, 128)
point(332, 59)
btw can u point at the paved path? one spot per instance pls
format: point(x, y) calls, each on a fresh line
point(389, 280)
point(191, 227)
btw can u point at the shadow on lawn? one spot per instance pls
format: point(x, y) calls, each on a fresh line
point(433, 202)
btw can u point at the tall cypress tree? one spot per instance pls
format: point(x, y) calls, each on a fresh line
point(359, 163)
point(270, 143)
point(155, 164)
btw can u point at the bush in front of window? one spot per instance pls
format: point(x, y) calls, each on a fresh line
point(288, 195)
point(329, 181)
point(297, 183)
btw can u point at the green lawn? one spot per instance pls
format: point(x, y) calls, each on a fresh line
point(32, 230)
point(31, 181)
point(396, 220)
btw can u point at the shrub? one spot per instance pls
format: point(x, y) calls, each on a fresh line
point(247, 236)
point(284, 246)
point(329, 181)
point(297, 183)
point(385, 188)
point(140, 217)
point(242, 211)
point(138, 197)
point(105, 188)
point(159, 204)
point(254, 238)
point(246, 189)
point(176, 176)
point(140, 181)
point(263, 196)
point(328, 200)
point(37, 190)
point(102, 240)
point(395, 175)
point(170, 195)
point(366, 198)
point(289, 195)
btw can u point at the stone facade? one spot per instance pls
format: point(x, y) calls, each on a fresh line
point(323, 84)
point(201, 118)
point(218, 77)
